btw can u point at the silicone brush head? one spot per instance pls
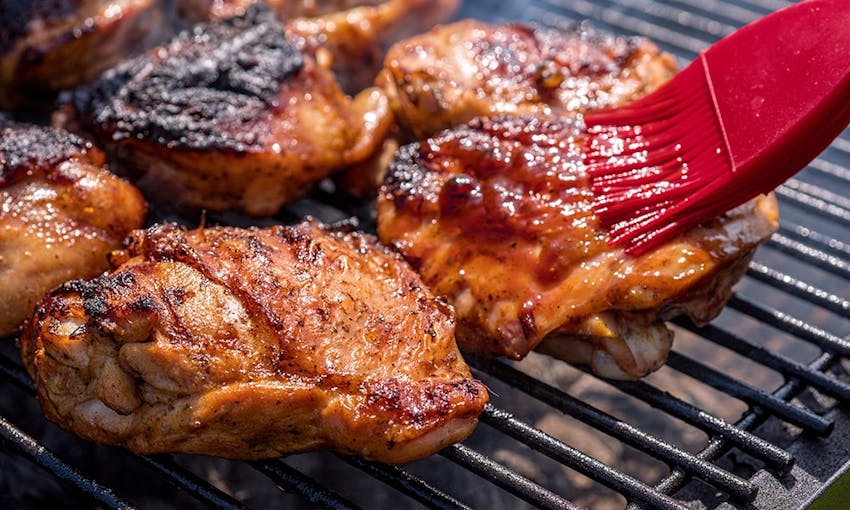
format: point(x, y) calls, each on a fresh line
point(750, 112)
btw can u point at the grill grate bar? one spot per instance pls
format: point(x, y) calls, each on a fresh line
point(802, 290)
point(668, 14)
point(818, 192)
point(21, 442)
point(733, 11)
point(588, 466)
point(406, 483)
point(780, 460)
point(620, 430)
point(816, 239)
point(751, 419)
point(189, 482)
point(825, 261)
point(798, 416)
point(791, 325)
point(820, 207)
point(615, 18)
point(831, 169)
point(290, 479)
point(512, 482)
point(782, 364)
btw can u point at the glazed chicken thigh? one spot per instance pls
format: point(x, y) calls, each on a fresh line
point(61, 213)
point(497, 217)
point(250, 343)
point(50, 45)
point(230, 115)
point(454, 73)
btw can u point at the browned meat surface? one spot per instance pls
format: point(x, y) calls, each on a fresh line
point(230, 115)
point(497, 217)
point(251, 343)
point(357, 33)
point(61, 213)
point(467, 69)
point(49, 45)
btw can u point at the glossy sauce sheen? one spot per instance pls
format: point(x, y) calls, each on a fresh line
point(497, 216)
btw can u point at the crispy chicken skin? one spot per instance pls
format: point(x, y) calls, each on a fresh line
point(250, 343)
point(357, 33)
point(463, 70)
point(49, 45)
point(230, 115)
point(497, 217)
point(61, 213)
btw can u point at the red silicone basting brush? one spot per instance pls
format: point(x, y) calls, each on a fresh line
point(751, 111)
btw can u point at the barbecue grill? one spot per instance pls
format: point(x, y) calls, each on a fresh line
point(749, 411)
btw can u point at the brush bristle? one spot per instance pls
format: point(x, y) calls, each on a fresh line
point(658, 165)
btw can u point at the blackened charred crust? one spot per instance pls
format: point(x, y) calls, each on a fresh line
point(205, 89)
point(27, 147)
point(15, 17)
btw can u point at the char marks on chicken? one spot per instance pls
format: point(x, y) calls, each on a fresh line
point(50, 45)
point(230, 115)
point(249, 343)
point(497, 217)
point(61, 213)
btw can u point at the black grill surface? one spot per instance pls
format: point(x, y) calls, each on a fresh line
point(748, 413)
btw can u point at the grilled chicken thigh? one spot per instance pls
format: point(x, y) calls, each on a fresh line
point(454, 73)
point(230, 115)
point(457, 72)
point(249, 343)
point(49, 45)
point(357, 33)
point(61, 213)
point(497, 217)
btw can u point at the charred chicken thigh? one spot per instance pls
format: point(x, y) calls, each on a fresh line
point(250, 343)
point(463, 70)
point(230, 115)
point(49, 45)
point(357, 33)
point(61, 213)
point(497, 217)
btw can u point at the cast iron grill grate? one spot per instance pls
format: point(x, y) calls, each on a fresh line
point(816, 216)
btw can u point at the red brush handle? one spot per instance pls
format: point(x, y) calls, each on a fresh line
point(781, 86)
